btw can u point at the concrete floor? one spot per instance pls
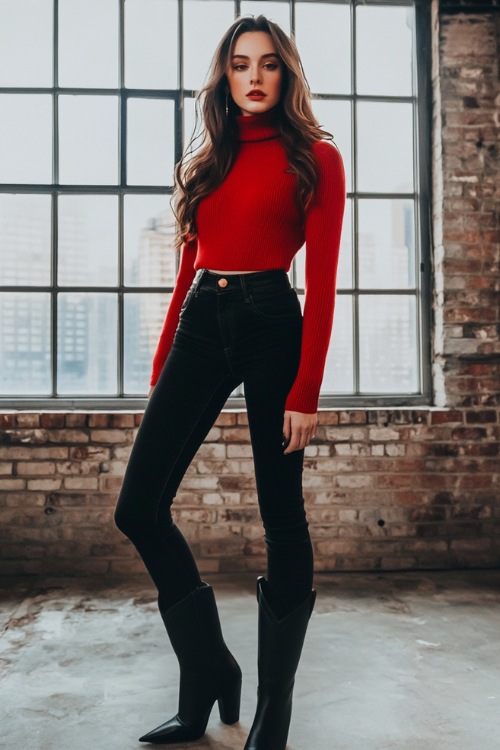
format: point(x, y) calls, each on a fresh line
point(393, 661)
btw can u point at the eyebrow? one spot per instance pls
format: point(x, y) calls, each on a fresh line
point(269, 54)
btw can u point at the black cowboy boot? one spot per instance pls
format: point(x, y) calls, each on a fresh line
point(208, 670)
point(280, 647)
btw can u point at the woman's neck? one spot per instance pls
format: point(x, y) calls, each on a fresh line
point(258, 127)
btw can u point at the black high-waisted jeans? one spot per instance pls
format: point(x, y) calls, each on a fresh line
point(247, 330)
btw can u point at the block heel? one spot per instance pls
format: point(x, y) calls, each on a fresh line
point(229, 704)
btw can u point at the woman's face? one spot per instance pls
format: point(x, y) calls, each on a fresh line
point(255, 65)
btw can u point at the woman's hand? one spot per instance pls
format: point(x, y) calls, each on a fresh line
point(151, 391)
point(298, 429)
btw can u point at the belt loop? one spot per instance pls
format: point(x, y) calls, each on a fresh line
point(201, 272)
point(246, 292)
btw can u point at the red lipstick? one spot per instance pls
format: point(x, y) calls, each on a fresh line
point(256, 94)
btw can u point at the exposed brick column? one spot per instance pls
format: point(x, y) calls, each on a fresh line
point(468, 260)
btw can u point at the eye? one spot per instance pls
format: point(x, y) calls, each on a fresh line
point(240, 66)
point(271, 66)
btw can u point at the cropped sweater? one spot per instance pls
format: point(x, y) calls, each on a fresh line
point(253, 222)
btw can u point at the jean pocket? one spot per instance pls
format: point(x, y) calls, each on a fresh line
point(187, 299)
point(278, 304)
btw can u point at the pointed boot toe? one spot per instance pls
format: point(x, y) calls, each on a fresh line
point(171, 732)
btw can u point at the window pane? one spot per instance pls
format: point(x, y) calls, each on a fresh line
point(339, 368)
point(388, 344)
point(344, 271)
point(87, 343)
point(335, 117)
point(385, 151)
point(88, 141)
point(384, 50)
point(88, 43)
point(88, 240)
point(148, 237)
point(386, 244)
point(204, 25)
point(278, 12)
point(24, 239)
point(144, 315)
point(26, 43)
point(24, 343)
point(326, 64)
point(150, 142)
point(25, 138)
point(151, 48)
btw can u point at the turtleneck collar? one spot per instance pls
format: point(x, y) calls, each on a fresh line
point(257, 127)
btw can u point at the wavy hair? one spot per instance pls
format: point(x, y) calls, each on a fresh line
point(200, 171)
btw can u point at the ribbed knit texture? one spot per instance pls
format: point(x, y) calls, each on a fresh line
point(252, 222)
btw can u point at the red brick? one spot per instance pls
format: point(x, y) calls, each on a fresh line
point(67, 436)
point(49, 420)
point(76, 420)
point(109, 436)
point(28, 420)
point(122, 420)
point(446, 417)
point(35, 468)
point(480, 417)
point(226, 419)
point(99, 420)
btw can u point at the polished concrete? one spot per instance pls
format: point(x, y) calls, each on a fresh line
point(393, 661)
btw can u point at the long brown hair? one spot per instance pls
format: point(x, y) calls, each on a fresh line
point(198, 173)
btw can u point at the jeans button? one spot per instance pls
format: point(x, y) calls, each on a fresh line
point(222, 282)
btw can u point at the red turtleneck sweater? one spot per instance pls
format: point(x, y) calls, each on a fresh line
point(252, 222)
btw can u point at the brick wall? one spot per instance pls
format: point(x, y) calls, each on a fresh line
point(384, 489)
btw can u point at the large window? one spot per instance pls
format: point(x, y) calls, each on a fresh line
point(96, 104)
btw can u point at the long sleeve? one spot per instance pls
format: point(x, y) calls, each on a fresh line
point(322, 234)
point(183, 282)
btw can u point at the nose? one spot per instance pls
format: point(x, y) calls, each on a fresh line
point(255, 78)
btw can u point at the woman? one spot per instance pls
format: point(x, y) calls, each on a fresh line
point(263, 181)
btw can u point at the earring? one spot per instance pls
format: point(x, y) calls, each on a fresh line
point(227, 103)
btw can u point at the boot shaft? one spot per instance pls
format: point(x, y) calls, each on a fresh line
point(281, 641)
